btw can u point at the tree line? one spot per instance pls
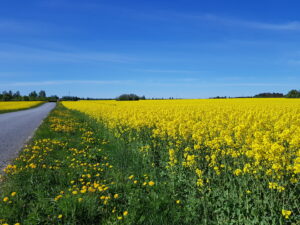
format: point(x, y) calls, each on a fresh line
point(42, 96)
point(32, 96)
point(291, 94)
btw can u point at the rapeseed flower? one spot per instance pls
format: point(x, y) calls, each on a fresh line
point(286, 213)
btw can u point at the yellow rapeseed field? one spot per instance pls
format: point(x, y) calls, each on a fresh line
point(256, 141)
point(260, 135)
point(17, 105)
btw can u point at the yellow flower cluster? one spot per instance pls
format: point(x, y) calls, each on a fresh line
point(59, 125)
point(17, 105)
point(87, 183)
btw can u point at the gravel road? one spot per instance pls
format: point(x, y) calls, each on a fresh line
point(16, 128)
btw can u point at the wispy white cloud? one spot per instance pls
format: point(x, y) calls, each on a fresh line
point(198, 83)
point(24, 27)
point(10, 74)
point(232, 78)
point(9, 27)
point(288, 26)
point(226, 21)
point(250, 84)
point(65, 4)
point(292, 26)
point(13, 26)
point(28, 27)
point(25, 54)
point(167, 71)
point(294, 62)
point(67, 82)
point(170, 16)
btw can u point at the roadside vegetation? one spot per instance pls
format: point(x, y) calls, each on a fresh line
point(72, 174)
point(115, 163)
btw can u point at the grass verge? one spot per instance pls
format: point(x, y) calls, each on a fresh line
point(65, 177)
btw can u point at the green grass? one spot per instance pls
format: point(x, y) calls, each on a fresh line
point(70, 148)
point(15, 110)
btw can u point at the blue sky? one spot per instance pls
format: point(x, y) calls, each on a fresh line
point(183, 49)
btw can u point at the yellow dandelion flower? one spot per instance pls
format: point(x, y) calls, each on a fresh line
point(151, 183)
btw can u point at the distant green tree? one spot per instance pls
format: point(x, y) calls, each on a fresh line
point(42, 95)
point(17, 96)
point(293, 94)
point(219, 97)
point(33, 95)
point(130, 97)
point(70, 98)
point(7, 96)
point(269, 95)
